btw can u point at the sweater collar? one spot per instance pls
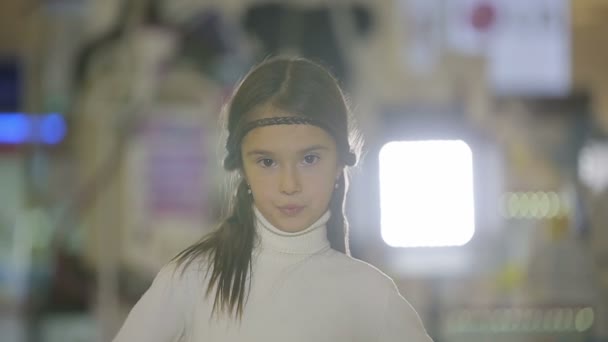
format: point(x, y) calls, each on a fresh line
point(308, 241)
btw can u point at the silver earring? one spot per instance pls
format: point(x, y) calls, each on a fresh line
point(249, 191)
point(336, 185)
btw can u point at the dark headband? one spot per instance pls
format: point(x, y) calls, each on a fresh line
point(280, 120)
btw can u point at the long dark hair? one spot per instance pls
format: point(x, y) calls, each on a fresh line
point(299, 87)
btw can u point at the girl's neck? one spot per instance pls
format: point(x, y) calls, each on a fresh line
point(307, 241)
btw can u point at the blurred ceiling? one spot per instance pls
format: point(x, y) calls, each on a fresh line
point(590, 51)
point(589, 18)
point(13, 14)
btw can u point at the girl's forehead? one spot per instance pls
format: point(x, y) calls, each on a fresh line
point(286, 137)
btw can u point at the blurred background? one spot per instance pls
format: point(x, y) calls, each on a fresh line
point(483, 190)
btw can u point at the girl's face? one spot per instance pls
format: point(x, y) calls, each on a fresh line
point(291, 170)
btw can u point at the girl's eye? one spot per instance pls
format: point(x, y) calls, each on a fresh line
point(266, 162)
point(311, 159)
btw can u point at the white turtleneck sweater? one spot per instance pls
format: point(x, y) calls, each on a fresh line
point(301, 290)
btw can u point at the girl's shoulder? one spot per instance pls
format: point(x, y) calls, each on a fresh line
point(185, 275)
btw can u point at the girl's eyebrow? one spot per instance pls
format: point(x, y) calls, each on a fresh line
point(313, 148)
point(259, 152)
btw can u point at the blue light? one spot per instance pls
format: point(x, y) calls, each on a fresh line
point(15, 128)
point(20, 128)
point(52, 129)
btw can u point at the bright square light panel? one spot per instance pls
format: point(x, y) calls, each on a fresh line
point(426, 193)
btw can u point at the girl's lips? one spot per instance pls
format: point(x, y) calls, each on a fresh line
point(291, 210)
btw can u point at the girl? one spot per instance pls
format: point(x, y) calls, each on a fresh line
point(278, 268)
